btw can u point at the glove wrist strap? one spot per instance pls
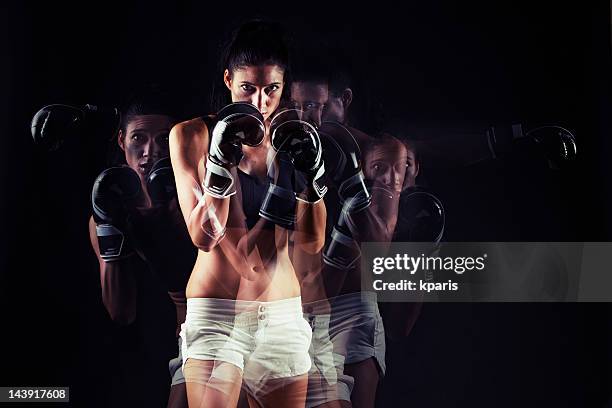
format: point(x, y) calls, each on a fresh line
point(279, 206)
point(219, 181)
point(315, 188)
point(113, 243)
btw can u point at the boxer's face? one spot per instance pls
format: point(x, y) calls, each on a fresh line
point(387, 164)
point(261, 86)
point(311, 98)
point(145, 141)
point(412, 168)
point(334, 110)
point(337, 106)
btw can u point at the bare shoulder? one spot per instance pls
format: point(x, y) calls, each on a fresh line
point(188, 141)
point(188, 130)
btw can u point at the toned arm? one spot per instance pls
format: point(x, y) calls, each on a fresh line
point(205, 216)
point(118, 282)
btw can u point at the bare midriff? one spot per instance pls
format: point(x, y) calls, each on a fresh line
point(214, 276)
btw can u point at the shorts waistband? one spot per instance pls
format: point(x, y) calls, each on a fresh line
point(358, 302)
point(242, 310)
point(348, 303)
point(318, 307)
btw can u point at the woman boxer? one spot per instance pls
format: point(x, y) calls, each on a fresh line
point(136, 218)
point(390, 163)
point(348, 337)
point(244, 314)
point(348, 317)
point(393, 165)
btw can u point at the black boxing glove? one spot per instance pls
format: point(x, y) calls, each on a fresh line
point(237, 124)
point(556, 143)
point(301, 142)
point(278, 205)
point(343, 250)
point(114, 192)
point(56, 124)
point(342, 152)
point(160, 182)
point(421, 216)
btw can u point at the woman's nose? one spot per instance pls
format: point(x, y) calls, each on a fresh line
point(313, 117)
point(385, 178)
point(152, 150)
point(397, 178)
point(259, 100)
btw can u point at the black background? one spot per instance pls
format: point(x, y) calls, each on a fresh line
point(453, 65)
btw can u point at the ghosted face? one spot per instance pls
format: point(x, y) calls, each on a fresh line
point(145, 141)
point(412, 168)
point(311, 98)
point(391, 164)
point(260, 85)
point(337, 105)
point(334, 110)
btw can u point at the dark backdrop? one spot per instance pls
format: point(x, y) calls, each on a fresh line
point(436, 64)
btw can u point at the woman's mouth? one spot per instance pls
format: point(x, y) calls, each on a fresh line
point(144, 168)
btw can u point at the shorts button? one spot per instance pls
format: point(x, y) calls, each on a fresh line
point(261, 308)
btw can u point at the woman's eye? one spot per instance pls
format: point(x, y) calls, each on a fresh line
point(400, 168)
point(272, 88)
point(165, 138)
point(246, 88)
point(380, 168)
point(137, 137)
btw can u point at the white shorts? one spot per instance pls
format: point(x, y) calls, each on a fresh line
point(265, 340)
point(356, 328)
point(351, 333)
point(326, 380)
